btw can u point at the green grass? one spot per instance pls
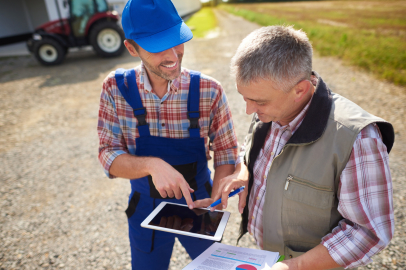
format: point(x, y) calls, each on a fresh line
point(361, 33)
point(202, 22)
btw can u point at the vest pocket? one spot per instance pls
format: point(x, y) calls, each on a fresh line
point(309, 193)
point(290, 253)
point(306, 213)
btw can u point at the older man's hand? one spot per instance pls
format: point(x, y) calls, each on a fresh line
point(227, 184)
point(317, 258)
point(285, 265)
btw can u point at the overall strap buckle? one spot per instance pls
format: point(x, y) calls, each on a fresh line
point(141, 114)
point(193, 117)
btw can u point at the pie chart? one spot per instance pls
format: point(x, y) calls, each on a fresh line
point(245, 267)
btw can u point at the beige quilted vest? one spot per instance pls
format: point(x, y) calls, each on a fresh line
point(302, 185)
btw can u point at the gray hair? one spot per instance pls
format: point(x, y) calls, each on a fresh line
point(280, 54)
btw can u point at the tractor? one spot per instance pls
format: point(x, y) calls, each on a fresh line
point(79, 23)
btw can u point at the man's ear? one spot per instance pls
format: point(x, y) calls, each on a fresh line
point(302, 89)
point(130, 48)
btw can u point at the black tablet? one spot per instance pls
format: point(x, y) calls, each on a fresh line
point(178, 218)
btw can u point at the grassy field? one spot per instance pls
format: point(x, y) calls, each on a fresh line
point(367, 34)
point(202, 22)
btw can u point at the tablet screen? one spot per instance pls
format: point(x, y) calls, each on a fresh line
point(178, 217)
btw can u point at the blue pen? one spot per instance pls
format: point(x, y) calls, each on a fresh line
point(235, 192)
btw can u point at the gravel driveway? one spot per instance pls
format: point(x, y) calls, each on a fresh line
point(59, 211)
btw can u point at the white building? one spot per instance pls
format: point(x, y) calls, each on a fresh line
point(184, 7)
point(19, 18)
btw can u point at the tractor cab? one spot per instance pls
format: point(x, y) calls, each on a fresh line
point(79, 23)
point(83, 11)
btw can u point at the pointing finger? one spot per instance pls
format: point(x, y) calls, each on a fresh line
point(185, 190)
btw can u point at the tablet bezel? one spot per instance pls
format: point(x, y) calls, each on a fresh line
point(217, 237)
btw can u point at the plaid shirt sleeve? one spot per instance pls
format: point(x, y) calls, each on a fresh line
point(111, 139)
point(365, 202)
point(223, 139)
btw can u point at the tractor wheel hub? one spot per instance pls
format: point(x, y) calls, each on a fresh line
point(48, 53)
point(109, 40)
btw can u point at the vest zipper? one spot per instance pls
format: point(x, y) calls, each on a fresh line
point(288, 181)
point(290, 177)
point(305, 183)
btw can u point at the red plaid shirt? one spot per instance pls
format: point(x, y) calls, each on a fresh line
point(365, 195)
point(167, 117)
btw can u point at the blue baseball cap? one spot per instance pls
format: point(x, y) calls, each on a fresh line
point(155, 25)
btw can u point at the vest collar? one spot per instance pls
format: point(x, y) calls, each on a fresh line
point(315, 121)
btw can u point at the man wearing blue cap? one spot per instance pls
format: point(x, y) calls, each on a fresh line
point(156, 125)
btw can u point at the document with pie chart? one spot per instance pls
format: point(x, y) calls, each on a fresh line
point(224, 257)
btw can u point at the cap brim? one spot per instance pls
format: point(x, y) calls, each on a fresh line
point(166, 39)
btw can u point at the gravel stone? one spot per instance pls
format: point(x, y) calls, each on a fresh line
point(59, 210)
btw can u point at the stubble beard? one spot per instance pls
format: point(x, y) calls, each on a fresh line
point(169, 76)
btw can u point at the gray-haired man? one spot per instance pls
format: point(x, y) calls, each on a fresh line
point(316, 164)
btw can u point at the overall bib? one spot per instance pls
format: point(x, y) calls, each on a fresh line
point(152, 249)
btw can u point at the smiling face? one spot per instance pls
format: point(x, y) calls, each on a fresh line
point(272, 104)
point(163, 65)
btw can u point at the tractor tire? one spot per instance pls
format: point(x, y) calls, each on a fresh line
point(49, 52)
point(107, 39)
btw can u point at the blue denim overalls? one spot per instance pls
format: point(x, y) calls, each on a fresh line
point(151, 249)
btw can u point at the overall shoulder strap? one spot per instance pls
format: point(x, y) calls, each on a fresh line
point(193, 104)
point(132, 96)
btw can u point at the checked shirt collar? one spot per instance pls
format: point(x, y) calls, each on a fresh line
point(146, 85)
